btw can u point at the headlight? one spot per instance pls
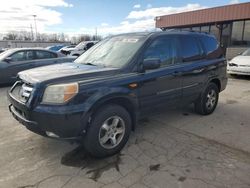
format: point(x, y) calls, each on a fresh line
point(61, 93)
point(232, 64)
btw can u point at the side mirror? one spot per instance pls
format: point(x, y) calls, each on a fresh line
point(152, 63)
point(240, 53)
point(8, 59)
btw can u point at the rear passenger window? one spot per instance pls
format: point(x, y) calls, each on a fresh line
point(163, 48)
point(190, 49)
point(209, 43)
point(45, 55)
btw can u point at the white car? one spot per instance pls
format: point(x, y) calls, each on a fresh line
point(240, 64)
point(79, 49)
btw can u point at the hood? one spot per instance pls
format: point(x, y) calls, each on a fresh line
point(64, 71)
point(241, 60)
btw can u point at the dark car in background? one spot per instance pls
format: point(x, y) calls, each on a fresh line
point(13, 61)
point(123, 78)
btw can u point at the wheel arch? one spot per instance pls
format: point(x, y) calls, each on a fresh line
point(217, 82)
point(124, 101)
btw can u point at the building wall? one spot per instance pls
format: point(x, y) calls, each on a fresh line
point(205, 16)
point(21, 44)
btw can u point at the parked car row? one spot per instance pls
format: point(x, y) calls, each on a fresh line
point(15, 60)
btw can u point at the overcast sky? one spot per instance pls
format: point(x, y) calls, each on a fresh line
point(83, 16)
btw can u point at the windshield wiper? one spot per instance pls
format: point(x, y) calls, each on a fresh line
point(90, 64)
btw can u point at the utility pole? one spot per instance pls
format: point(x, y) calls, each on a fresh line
point(96, 33)
point(31, 29)
point(35, 25)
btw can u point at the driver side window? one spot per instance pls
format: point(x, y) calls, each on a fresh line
point(163, 48)
point(18, 56)
point(23, 56)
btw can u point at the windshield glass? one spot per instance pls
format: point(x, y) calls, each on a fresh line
point(81, 45)
point(112, 52)
point(246, 53)
point(5, 54)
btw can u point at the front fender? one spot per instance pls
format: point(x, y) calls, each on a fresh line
point(105, 94)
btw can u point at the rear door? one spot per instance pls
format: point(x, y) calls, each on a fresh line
point(45, 58)
point(160, 87)
point(194, 67)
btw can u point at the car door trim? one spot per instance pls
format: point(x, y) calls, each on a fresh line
point(168, 91)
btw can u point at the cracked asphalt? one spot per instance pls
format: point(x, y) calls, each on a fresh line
point(175, 148)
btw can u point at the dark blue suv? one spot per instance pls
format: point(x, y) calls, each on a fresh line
point(99, 98)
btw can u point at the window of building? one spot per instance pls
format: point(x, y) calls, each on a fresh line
point(163, 48)
point(246, 37)
point(215, 31)
point(225, 37)
point(237, 32)
point(186, 29)
point(196, 29)
point(205, 29)
point(189, 49)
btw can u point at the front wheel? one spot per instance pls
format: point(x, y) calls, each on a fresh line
point(208, 100)
point(108, 132)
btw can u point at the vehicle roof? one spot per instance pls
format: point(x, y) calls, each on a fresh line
point(160, 33)
point(35, 48)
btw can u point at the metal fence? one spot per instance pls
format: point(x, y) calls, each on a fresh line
point(27, 44)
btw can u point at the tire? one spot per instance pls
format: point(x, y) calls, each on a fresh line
point(208, 100)
point(106, 126)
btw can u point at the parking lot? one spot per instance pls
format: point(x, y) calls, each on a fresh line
point(176, 148)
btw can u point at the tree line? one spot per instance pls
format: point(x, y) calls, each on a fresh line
point(49, 37)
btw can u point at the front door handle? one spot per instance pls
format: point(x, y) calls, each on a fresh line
point(198, 71)
point(177, 73)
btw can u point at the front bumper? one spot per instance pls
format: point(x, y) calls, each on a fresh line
point(50, 121)
point(241, 70)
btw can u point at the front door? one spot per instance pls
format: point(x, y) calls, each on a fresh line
point(21, 60)
point(160, 87)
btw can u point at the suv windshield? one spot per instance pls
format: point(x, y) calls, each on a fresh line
point(112, 52)
point(246, 53)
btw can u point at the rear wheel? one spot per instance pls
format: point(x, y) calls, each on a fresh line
point(208, 100)
point(108, 132)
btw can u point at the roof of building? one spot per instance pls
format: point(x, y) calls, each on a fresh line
point(205, 16)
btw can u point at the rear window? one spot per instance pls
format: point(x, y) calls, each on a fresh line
point(45, 55)
point(210, 44)
point(190, 49)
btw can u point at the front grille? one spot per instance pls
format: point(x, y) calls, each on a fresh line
point(22, 91)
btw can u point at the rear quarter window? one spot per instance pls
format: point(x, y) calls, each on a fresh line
point(45, 55)
point(190, 49)
point(211, 47)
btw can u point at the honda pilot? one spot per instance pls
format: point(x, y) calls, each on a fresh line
point(99, 98)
